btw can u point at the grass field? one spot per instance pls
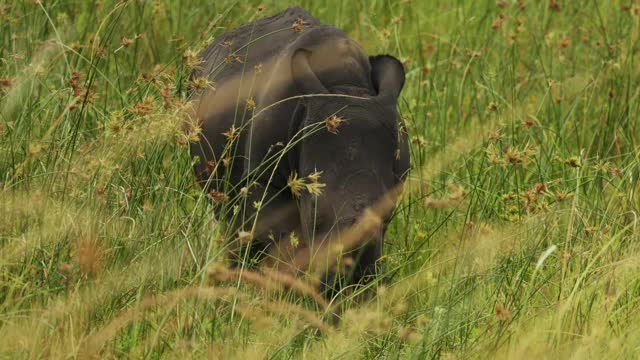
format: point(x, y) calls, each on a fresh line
point(516, 237)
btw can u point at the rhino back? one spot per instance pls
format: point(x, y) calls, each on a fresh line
point(251, 44)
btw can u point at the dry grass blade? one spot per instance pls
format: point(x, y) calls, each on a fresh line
point(95, 343)
point(271, 281)
point(293, 283)
point(286, 309)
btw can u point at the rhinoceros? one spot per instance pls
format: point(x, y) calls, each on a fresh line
point(299, 134)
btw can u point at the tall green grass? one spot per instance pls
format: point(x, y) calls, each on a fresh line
point(517, 235)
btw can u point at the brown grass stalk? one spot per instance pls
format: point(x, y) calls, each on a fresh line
point(272, 281)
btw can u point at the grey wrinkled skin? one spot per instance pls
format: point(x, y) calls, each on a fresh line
point(362, 161)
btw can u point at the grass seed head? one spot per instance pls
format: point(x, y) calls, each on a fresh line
point(298, 25)
point(125, 42)
point(409, 335)
point(6, 83)
point(293, 239)
point(101, 52)
point(502, 312)
point(245, 237)
point(191, 59)
point(251, 104)
point(75, 84)
point(314, 186)
point(296, 185)
point(232, 133)
point(497, 23)
point(574, 162)
point(89, 256)
point(218, 197)
point(201, 83)
point(332, 123)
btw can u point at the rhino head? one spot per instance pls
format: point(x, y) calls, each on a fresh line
point(353, 137)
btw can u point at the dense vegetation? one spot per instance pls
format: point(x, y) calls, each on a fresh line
point(517, 234)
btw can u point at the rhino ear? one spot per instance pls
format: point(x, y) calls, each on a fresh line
point(387, 75)
point(304, 78)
